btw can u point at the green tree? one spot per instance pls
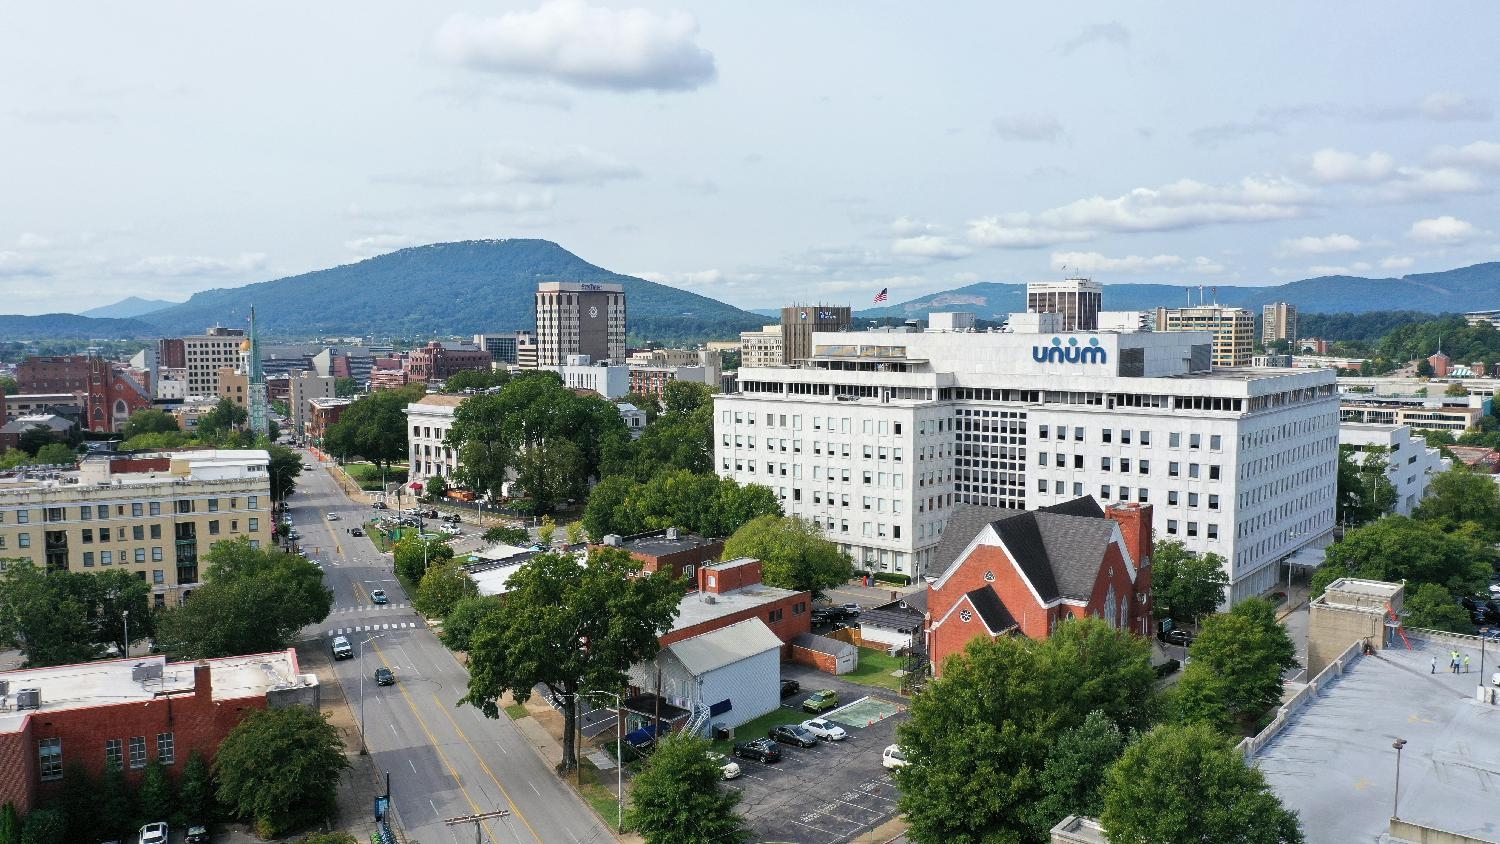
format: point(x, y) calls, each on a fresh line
point(9, 387)
point(680, 437)
point(442, 587)
point(1148, 799)
point(1397, 548)
point(1185, 586)
point(552, 472)
point(251, 601)
point(476, 379)
point(195, 792)
point(1072, 778)
point(34, 439)
point(1424, 369)
point(1431, 607)
point(10, 819)
point(149, 421)
point(115, 593)
point(570, 625)
point(679, 797)
point(285, 467)
point(1435, 438)
point(414, 556)
point(1462, 495)
point(45, 826)
point(155, 798)
point(157, 442)
point(1365, 492)
point(703, 503)
point(55, 454)
point(436, 489)
point(1235, 672)
point(650, 405)
point(115, 802)
point(374, 427)
point(979, 737)
point(793, 552)
point(485, 454)
point(345, 387)
point(1456, 389)
point(255, 780)
point(226, 418)
point(77, 803)
point(48, 615)
point(464, 619)
point(517, 536)
point(328, 838)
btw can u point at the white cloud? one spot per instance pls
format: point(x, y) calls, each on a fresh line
point(966, 278)
point(1441, 107)
point(379, 244)
point(1332, 166)
point(1417, 183)
point(1446, 107)
point(189, 265)
point(584, 46)
point(712, 278)
point(486, 201)
point(929, 246)
point(1325, 245)
point(30, 240)
point(1180, 205)
point(911, 226)
point(569, 164)
point(1093, 262)
point(1442, 230)
point(1484, 155)
point(1397, 262)
point(1322, 270)
point(1039, 128)
point(18, 265)
point(1205, 266)
point(1112, 32)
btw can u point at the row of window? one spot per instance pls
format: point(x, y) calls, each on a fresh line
point(137, 509)
point(50, 753)
point(137, 533)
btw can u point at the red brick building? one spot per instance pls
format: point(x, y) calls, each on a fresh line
point(171, 353)
point(731, 592)
point(54, 374)
point(1013, 572)
point(436, 362)
point(131, 712)
point(112, 395)
point(681, 553)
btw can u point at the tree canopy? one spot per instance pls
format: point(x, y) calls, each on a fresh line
point(256, 781)
point(1431, 607)
point(413, 556)
point(286, 466)
point(1186, 784)
point(980, 736)
point(251, 601)
point(1397, 548)
point(793, 552)
point(1185, 585)
point(149, 421)
point(703, 503)
point(1462, 495)
point(476, 379)
point(679, 437)
point(441, 588)
point(1236, 665)
point(374, 426)
point(226, 418)
point(679, 797)
point(570, 625)
point(62, 617)
point(1365, 492)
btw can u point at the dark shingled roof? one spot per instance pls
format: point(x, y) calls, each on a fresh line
point(996, 617)
point(1057, 548)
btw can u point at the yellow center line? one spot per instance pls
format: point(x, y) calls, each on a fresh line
point(484, 765)
point(474, 807)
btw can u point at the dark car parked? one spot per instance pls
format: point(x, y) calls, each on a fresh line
point(790, 687)
point(793, 734)
point(1178, 636)
point(761, 750)
point(384, 677)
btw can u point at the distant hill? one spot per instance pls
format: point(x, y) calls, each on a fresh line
point(1463, 289)
point(73, 327)
point(127, 308)
point(447, 288)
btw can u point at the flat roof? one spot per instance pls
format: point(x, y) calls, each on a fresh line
point(1333, 763)
point(659, 545)
point(1368, 588)
point(121, 681)
point(696, 609)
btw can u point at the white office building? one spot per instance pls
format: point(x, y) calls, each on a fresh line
point(580, 372)
point(1409, 462)
point(428, 421)
point(881, 435)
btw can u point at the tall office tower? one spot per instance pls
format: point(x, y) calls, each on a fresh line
point(502, 347)
point(579, 318)
point(1278, 321)
point(206, 353)
point(761, 348)
point(1079, 300)
point(800, 321)
point(1233, 330)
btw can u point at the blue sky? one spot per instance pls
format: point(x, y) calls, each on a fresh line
point(760, 153)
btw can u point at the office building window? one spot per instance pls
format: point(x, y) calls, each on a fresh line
point(166, 748)
point(140, 555)
point(114, 754)
point(88, 559)
point(23, 540)
point(156, 531)
point(136, 509)
point(1172, 527)
point(156, 556)
point(138, 751)
point(49, 754)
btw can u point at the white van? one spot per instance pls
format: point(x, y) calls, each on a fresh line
point(893, 757)
point(342, 648)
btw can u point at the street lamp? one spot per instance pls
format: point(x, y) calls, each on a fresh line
point(125, 618)
point(1396, 797)
point(619, 756)
point(363, 751)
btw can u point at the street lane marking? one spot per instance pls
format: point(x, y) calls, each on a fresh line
point(413, 767)
point(486, 767)
point(437, 748)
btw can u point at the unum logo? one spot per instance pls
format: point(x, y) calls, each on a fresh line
point(1071, 353)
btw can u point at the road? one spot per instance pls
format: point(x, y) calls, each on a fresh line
point(445, 761)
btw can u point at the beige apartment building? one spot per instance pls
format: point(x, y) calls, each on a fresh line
point(154, 515)
point(761, 348)
point(1233, 330)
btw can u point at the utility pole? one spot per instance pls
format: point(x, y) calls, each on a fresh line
point(476, 820)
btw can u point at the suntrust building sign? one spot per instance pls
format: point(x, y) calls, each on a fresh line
point(1070, 352)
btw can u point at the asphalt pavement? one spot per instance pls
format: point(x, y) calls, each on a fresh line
point(445, 761)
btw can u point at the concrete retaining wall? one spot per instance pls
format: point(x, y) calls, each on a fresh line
point(1335, 669)
point(1428, 835)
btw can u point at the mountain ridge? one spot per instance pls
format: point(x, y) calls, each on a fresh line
point(127, 308)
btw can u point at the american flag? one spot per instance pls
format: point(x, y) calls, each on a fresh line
point(881, 297)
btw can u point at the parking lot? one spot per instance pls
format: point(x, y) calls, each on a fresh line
point(833, 792)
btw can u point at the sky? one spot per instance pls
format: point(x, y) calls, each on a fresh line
point(760, 153)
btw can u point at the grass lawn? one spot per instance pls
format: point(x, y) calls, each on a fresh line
point(760, 726)
point(377, 537)
point(516, 711)
point(875, 669)
point(599, 797)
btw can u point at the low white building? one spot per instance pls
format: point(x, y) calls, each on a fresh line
point(633, 417)
point(581, 373)
point(1410, 461)
point(727, 676)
